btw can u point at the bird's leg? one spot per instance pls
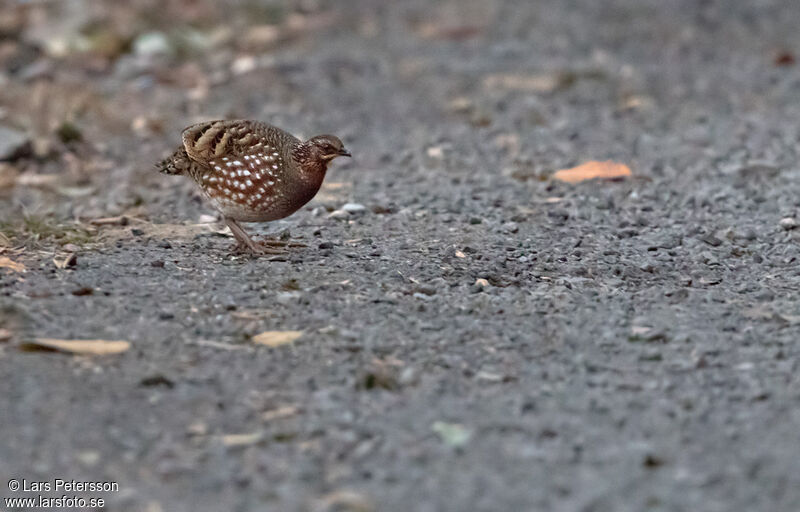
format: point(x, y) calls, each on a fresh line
point(243, 240)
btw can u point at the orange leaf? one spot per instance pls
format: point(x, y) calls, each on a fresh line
point(592, 170)
point(6, 262)
point(90, 347)
point(276, 338)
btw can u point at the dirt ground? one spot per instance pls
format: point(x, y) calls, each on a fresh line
point(476, 335)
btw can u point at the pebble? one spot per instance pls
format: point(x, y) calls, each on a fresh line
point(152, 43)
point(712, 240)
point(408, 376)
point(13, 143)
point(287, 297)
point(788, 223)
point(354, 208)
point(338, 214)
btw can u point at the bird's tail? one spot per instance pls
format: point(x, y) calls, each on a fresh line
point(178, 163)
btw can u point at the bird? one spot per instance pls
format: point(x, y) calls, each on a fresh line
point(252, 171)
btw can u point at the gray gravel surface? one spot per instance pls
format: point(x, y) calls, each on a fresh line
point(479, 337)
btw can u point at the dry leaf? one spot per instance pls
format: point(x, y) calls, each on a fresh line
point(6, 262)
point(542, 82)
point(276, 338)
point(592, 170)
point(234, 440)
point(251, 314)
point(437, 31)
point(345, 500)
point(790, 319)
point(280, 412)
point(91, 347)
point(37, 180)
point(120, 220)
point(757, 313)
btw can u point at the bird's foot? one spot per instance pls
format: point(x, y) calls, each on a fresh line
point(256, 249)
point(278, 242)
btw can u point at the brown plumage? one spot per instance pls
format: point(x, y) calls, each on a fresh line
point(252, 171)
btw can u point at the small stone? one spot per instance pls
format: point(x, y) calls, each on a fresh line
point(338, 214)
point(88, 458)
point(788, 223)
point(652, 461)
point(197, 428)
point(344, 501)
point(152, 43)
point(326, 245)
point(435, 152)
point(408, 376)
point(69, 132)
point(379, 375)
point(426, 290)
point(452, 434)
point(287, 297)
point(80, 292)
point(489, 376)
point(354, 208)
point(746, 235)
point(137, 232)
point(243, 64)
point(712, 240)
point(13, 143)
point(510, 227)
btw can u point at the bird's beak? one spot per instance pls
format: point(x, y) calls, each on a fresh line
point(344, 152)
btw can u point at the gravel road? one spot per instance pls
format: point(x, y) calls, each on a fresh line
point(477, 337)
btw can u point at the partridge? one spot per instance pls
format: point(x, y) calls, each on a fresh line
point(252, 171)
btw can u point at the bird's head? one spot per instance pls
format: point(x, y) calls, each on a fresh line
point(327, 147)
point(315, 154)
